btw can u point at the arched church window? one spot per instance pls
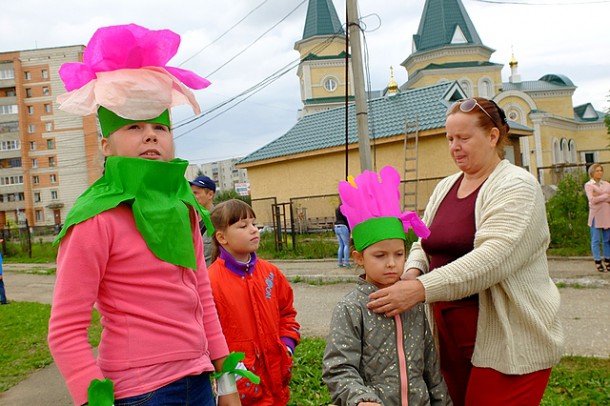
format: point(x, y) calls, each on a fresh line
point(557, 157)
point(485, 89)
point(572, 147)
point(565, 149)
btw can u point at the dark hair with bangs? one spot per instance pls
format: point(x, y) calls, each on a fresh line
point(226, 214)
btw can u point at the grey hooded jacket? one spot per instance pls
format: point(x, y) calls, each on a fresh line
point(362, 359)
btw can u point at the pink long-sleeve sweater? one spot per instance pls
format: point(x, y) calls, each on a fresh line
point(599, 203)
point(160, 322)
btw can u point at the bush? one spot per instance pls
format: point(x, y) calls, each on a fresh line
point(567, 214)
point(224, 195)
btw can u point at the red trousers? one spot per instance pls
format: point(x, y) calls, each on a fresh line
point(473, 386)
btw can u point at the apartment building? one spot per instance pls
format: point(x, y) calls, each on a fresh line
point(47, 157)
point(224, 173)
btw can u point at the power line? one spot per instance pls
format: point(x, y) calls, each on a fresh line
point(224, 33)
point(250, 91)
point(256, 40)
point(573, 3)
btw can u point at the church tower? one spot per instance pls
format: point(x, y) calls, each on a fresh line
point(322, 69)
point(447, 47)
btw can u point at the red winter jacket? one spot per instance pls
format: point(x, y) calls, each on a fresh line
point(256, 311)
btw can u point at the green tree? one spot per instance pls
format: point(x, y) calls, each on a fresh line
point(222, 195)
point(568, 212)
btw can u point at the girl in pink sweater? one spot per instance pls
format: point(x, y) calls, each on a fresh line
point(131, 245)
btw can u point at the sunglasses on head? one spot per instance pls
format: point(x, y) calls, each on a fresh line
point(467, 105)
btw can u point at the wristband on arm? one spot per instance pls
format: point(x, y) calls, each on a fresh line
point(226, 378)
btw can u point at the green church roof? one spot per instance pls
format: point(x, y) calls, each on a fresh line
point(438, 25)
point(387, 115)
point(321, 19)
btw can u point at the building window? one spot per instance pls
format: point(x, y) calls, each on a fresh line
point(20, 196)
point(37, 197)
point(7, 74)
point(53, 178)
point(35, 180)
point(1, 198)
point(330, 84)
point(54, 195)
point(51, 161)
point(47, 108)
point(556, 152)
point(31, 128)
point(45, 90)
point(14, 163)
point(30, 110)
point(11, 180)
point(32, 145)
point(34, 163)
point(44, 73)
point(9, 109)
point(49, 126)
point(28, 75)
point(50, 144)
point(9, 145)
point(39, 215)
point(28, 92)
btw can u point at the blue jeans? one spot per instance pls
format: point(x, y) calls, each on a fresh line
point(343, 236)
point(2, 292)
point(194, 390)
point(595, 242)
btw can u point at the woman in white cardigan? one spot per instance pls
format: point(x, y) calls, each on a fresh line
point(484, 268)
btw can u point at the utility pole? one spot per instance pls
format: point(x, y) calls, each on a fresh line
point(362, 117)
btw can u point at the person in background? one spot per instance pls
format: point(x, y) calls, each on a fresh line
point(204, 189)
point(371, 360)
point(131, 245)
point(3, 300)
point(484, 269)
point(342, 233)
point(255, 305)
point(598, 194)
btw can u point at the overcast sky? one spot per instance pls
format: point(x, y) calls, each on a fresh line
point(549, 37)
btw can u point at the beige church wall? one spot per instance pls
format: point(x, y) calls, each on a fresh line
point(317, 82)
point(299, 178)
point(594, 140)
point(321, 47)
point(432, 79)
point(442, 59)
point(317, 175)
point(560, 105)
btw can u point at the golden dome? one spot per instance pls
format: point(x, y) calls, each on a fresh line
point(392, 86)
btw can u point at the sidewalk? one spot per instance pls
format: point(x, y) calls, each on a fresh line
point(584, 311)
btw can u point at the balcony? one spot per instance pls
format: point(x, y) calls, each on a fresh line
point(10, 153)
point(8, 100)
point(7, 83)
point(10, 189)
point(12, 206)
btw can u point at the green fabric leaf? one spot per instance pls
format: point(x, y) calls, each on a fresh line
point(159, 196)
point(100, 393)
point(230, 365)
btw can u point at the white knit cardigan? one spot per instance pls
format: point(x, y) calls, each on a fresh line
point(518, 329)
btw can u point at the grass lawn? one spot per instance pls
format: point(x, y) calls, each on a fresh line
point(23, 349)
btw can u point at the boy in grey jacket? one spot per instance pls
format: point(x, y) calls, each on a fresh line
point(370, 359)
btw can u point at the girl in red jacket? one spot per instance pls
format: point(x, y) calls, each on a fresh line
point(255, 305)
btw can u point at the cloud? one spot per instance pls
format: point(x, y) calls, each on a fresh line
point(572, 40)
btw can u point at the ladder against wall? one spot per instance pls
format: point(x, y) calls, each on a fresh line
point(410, 174)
